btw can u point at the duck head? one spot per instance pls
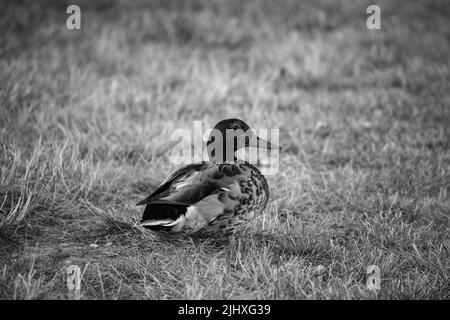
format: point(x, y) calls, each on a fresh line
point(230, 135)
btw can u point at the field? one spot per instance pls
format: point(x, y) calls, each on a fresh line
point(364, 116)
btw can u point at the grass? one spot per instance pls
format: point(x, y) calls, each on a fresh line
point(364, 176)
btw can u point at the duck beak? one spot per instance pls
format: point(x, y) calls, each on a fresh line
point(258, 142)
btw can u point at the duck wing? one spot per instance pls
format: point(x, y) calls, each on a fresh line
point(182, 174)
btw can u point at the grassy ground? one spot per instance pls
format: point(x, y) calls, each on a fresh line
point(364, 175)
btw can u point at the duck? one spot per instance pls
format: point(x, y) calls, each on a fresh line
point(215, 198)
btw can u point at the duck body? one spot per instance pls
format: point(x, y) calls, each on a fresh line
point(207, 199)
point(215, 198)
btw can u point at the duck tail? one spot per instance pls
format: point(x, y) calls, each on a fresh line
point(164, 215)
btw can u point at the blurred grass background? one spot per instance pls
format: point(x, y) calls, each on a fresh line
point(85, 116)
